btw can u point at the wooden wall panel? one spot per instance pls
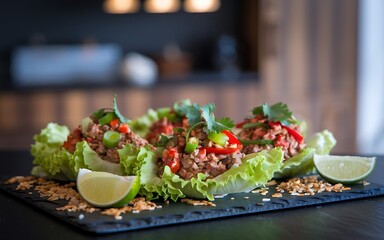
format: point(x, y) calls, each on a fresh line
point(308, 59)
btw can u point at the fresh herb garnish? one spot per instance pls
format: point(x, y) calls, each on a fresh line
point(193, 114)
point(277, 112)
point(164, 140)
point(206, 113)
point(117, 112)
point(198, 116)
point(181, 107)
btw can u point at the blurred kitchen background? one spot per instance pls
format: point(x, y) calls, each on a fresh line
point(62, 59)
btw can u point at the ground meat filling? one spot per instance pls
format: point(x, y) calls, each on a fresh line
point(163, 126)
point(94, 137)
point(198, 161)
point(279, 135)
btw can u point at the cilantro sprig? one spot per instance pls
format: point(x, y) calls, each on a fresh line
point(117, 112)
point(277, 112)
point(199, 116)
point(205, 115)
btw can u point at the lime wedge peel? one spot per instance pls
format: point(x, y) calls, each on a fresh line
point(103, 189)
point(344, 169)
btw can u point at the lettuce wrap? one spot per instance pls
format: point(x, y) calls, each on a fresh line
point(205, 142)
point(53, 161)
point(255, 171)
point(273, 126)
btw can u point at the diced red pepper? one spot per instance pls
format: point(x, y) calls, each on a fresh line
point(274, 124)
point(294, 133)
point(221, 150)
point(114, 123)
point(174, 165)
point(231, 137)
point(202, 153)
point(172, 152)
point(171, 159)
point(123, 128)
point(72, 139)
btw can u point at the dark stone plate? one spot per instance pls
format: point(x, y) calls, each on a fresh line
point(177, 212)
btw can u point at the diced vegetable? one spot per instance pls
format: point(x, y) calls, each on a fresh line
point(232, 138)
point(294, 133)
point(257, 141)
point(218, 138)
point(114, 123)
point(234, 145)
point(191, 145)
point(254, 125)
point(111, 139)
point(107, 118)
point(291, 131)
point(171, 159)
point(123, 128)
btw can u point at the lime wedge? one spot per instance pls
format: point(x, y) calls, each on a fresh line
point(103, 189)
point(343, 169)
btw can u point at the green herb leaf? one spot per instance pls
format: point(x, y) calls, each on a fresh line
point(164, 140)
point(223, 124)
point(117, 112)
point(276, 112)
point(214, 124)
point(193, 114)
point(181, 107)
point(207, 113)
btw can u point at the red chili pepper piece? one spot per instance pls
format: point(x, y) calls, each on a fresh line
point(291, 131)
point(171, 159)
point(295, 134)
point(123, 128)
point(114, 123)
point(232, 139)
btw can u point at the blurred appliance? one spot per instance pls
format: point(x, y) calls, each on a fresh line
point(64, 64)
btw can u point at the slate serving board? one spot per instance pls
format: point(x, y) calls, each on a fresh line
point(177, 212)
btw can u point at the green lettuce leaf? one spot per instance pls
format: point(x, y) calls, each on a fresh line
point(302, 164)
point(132, 158)
point(323, 142)
point(141, 125)
point(48, 154)
point(255, 171)
point(85, 157)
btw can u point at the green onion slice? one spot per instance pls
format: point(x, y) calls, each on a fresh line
point(108, 117)
point(111, 139)
point(191, 145)
point(257, 142)
point(255, 125)
point(218, 138)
